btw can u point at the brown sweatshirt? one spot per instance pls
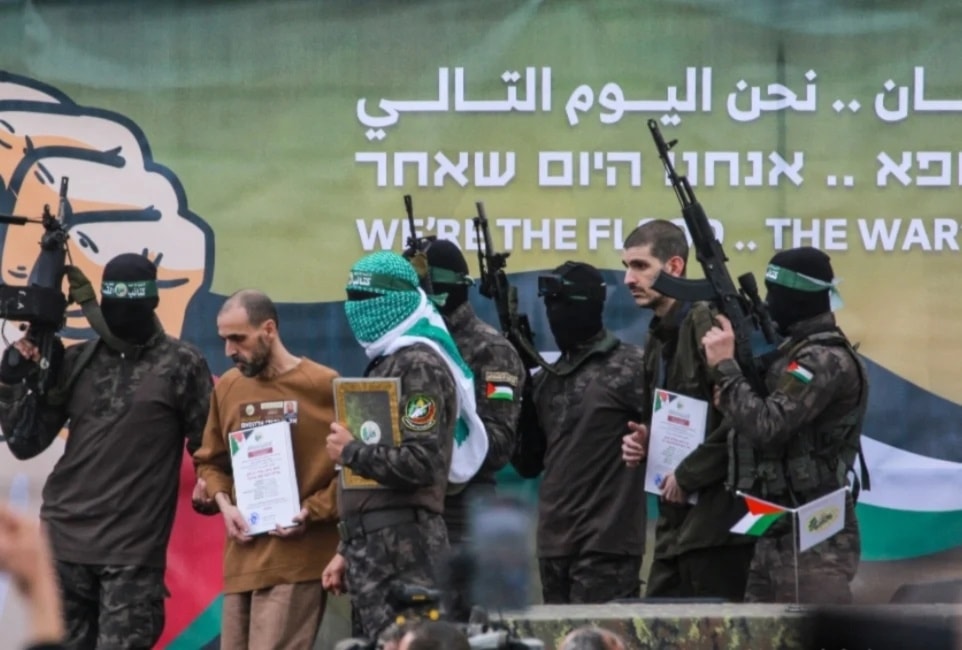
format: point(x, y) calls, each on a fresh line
point(239, 402)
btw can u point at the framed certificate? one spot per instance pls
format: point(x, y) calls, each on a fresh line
point(265, 484)
point(369, 407)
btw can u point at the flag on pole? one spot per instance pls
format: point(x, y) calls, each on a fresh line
point(761, 515)
point(820, 519)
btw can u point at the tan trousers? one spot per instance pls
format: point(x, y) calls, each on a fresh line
point(283, 617)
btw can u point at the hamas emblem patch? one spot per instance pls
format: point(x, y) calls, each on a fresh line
point(420, 413)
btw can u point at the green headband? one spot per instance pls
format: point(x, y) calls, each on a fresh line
point(362, 280)
point(447, 276)
point(800, 282)
point(129, 290)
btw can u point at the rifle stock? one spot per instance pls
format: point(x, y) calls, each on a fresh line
point(742, 307)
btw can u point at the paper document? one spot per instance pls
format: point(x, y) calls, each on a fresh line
point(265, 483)
point(677, 427)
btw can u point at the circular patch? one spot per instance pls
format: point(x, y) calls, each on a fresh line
point(249, 409)
point(120, 290)
point(370, 432)
point(420, 413)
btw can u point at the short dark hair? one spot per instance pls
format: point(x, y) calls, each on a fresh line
point(665, 238)
point(259, 307)
point(438, 635)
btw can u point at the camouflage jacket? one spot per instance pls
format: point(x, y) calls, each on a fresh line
point(111, 496)
point(675, 361)
point(499, 378)
point(589, 500)
point(416, 472)
point(802, 435)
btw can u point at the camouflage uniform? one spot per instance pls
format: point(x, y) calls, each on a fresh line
point(409, 548)
point(109, 503)
point(695, 554)
point(592, 512)
point(106, 608)
point(795, 445)
point(499, 378)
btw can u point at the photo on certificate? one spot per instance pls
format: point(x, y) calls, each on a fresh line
point(368, 407)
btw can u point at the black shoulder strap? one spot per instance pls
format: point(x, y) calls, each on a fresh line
point(82, 292)
point(61, 392)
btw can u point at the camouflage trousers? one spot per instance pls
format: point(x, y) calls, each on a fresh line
point(112, 607)
point(824, 571)
point(407, 554)
point(589, 578)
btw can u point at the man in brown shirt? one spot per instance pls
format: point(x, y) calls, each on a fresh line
point(272, 582)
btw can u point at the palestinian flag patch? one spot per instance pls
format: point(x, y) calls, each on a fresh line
point(497, 390)
point(799, 372)
point(500, 385)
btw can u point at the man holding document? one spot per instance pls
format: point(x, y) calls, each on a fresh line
point(687, 452)
point(263, 462)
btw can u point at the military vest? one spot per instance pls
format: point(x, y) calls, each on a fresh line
point(818, 458)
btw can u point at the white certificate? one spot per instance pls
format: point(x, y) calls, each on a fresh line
point(678, 425)
point(265, 484)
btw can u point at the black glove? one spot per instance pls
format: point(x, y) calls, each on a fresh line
point(14, 367)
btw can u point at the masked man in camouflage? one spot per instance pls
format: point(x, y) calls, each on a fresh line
point(591, 507)
point(800, 441)
point(499, 377)
point(695, 554)
point(396, 534)
point(109, 503)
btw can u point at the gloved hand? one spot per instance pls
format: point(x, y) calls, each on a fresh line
point(18, 362)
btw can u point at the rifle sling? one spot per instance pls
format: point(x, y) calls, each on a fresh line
point(82, 292)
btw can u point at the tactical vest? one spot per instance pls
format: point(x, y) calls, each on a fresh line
point(818, 458)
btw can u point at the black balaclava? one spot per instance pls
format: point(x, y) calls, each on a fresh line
point(449, 274)
point(129, 297)
point(574, 299)
point(799, 282)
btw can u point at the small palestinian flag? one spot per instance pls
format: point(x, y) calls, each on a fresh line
point(801, 373)
point(499, 390)
point(236, 440)
point(662, 398)
point(761, 515)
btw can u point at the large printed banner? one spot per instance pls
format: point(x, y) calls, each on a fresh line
point(268, 145)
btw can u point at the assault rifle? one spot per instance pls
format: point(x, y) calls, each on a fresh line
point(41, 303)
point(417, 248)
point(754, 331)
point(493, 284)
point(528, 457)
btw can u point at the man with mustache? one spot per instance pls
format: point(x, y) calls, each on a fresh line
point(109, 503)
point(273, 596)
point(696, 555)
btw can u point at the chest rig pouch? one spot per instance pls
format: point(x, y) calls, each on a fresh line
point(817, 456)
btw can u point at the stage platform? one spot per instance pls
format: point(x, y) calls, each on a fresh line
point(682, 626)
